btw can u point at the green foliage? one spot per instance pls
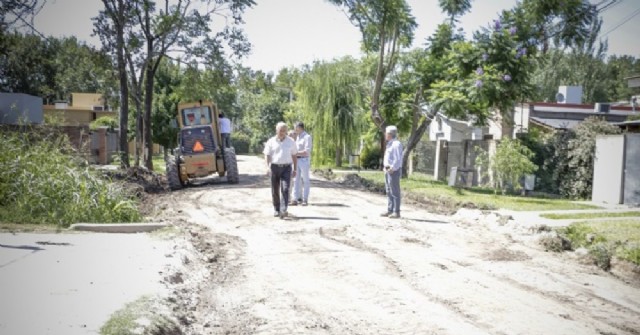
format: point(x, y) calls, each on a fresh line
point(43, 184)
point(508, 165)
point(580, 157)
point(165, 106)
point(633, 117)
point(331, 100)
point(241, 142)
point(370, 157)
point(104, 121)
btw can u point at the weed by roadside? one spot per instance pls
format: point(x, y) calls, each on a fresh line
point(42, 182)
point(140, 317)
point(606, 239)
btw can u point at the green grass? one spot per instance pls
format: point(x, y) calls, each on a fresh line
point(159, 165)
point(614, 237)
point(590, 215)
point(42, 183)
point(484, 198)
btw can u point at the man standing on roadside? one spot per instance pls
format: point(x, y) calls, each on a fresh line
point(280, 155)
point(392, 171)
point(302, 183)
point(225, 130)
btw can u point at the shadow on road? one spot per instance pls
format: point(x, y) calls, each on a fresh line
point(22, 247)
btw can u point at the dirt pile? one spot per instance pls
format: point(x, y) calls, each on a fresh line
point(140, 180)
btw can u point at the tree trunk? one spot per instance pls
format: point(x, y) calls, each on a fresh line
point(146, 124)
point(124, 100)
point(412, 142)
point(416, 131)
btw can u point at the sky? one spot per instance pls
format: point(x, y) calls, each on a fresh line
point(287, 33)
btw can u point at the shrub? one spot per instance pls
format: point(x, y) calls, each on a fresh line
point(370, 157)
point(41, 183)
point(508, 165)
point(241, 142)
point(104, 121)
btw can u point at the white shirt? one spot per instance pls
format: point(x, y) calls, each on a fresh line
point(225, 125)
point(393, 155)
point(304, 143)
point(280, 151)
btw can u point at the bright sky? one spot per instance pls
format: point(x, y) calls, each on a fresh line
point(296, 32)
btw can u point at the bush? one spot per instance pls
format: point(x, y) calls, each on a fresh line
point(241, 142)
point(41, 183)
point(370, 157)
point(104, 121)
point(510, 163)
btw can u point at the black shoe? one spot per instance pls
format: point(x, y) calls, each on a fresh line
point(283, 214)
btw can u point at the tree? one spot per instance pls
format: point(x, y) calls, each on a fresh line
point(386, 27)
point(110, 26)
point(183, 28)
point(14, 11)
point(331, 98)
point(165, 106)
point(510, 163)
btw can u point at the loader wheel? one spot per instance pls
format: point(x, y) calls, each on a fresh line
point(231, 165)
point(173, 176)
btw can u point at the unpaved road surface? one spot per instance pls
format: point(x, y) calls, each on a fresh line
point(336, 267)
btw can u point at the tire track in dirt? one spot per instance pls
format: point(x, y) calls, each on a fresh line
point(560, 299)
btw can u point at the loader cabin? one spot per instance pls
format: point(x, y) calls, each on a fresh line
point(202, 113)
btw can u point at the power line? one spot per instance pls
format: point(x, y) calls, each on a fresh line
point(636, 12)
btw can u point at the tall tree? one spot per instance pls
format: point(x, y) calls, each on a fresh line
point(386, 27)
point(110, 26)
point(183, 28)
point(14, 12)
point(331, 96)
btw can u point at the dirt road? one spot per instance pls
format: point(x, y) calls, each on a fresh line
point(336, 267)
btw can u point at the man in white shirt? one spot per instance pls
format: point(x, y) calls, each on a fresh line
point(304, 146)
point(280, 155)
point(392, 172)
point(225, 130)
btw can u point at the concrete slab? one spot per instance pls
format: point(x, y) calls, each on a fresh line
point(121, 228)
point(72, 283)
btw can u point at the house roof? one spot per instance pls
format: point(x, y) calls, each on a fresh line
point(555, 123)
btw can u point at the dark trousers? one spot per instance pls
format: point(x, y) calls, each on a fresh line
point(226, 140)
point(280, 183)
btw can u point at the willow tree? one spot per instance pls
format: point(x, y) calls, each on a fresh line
point(331, 96)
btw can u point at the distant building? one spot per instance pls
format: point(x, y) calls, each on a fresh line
point(83, 109)
point(20, 108)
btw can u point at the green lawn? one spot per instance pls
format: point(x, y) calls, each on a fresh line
point(590, 215)
point(622, 237)
point(484, 198)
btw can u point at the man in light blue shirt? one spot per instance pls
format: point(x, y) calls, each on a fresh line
point(392, 172)
point(302, 183)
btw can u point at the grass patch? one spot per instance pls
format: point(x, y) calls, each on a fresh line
point(139, 317)
point(604, 239)
point(159, 165)
point(42, 182)
point(590, 215)
point(483, 198)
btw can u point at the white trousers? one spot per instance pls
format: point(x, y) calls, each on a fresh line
point(302, 180)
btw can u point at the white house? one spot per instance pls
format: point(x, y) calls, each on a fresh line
point(452, 130)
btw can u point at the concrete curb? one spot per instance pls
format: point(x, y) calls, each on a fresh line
point(120, 228)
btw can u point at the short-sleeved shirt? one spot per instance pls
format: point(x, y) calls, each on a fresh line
point(280, 151)
point(225, 125)
point(304, 143)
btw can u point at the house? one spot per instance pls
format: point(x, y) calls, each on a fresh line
point(20, 108)
point(83, 109)
point(567, 112)
point(451, 130)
